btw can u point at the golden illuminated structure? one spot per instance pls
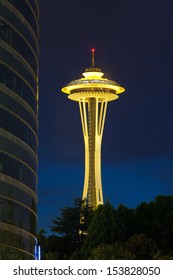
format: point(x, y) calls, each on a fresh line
point(93, 92)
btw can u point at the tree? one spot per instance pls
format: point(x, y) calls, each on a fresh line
point(101, 230)
point(126, 223)
point(52, 256)
point(111, 252)
point(160, 256)
point(162, 223)
point(51, 246)
point(143, 218)
point(109, 233)
point(142, 247)
point(155, 219)
point(71, 226)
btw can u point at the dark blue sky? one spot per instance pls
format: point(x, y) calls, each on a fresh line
point(134, 47)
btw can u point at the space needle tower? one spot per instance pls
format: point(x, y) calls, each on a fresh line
point(93, 92)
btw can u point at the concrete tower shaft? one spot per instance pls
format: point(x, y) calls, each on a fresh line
point(93, 93)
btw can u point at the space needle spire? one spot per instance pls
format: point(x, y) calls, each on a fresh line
point(93, 58)
point(93, 92)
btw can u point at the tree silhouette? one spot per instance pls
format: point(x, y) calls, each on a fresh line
point(117, 251)
point(107, 233)
point(71, 226)
point(101, 230)
point(142, 247)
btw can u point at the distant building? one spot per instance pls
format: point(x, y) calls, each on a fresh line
point(18, 127)
point(93, 92)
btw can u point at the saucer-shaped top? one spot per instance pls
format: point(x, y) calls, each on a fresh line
point(93, 85)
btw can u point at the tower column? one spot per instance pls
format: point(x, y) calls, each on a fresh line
point(91, 192)
point(93, 112)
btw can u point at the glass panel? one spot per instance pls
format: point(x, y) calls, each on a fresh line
point(19, 171)
point(17, 127)
point(17, 215)
point(26, 11)
point(12, 38)
point(11, 80)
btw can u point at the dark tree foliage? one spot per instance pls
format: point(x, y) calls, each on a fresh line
point(142, 247)
point(126, 223)
point(117, 251)
point(48, 245)
point(155, 219)
point(72, 225)
point(142, 233)
point(101, 230)
point(138, 247)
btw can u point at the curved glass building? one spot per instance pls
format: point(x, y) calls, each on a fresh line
point(18, 127)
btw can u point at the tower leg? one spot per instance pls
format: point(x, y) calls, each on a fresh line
point(93, 112)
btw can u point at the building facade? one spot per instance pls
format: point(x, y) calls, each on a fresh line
point(18, 127)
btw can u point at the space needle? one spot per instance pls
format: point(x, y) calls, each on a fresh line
point(93, 92)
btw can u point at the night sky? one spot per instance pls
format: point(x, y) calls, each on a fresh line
point(134, 47)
